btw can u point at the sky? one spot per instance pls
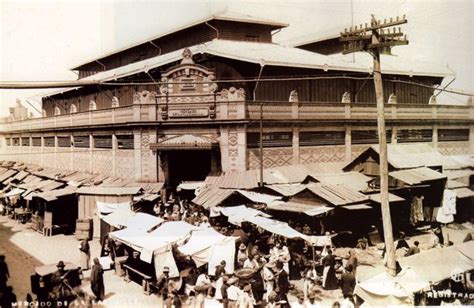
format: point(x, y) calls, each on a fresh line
point(40, 40)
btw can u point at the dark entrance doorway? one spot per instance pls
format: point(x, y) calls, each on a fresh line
point(188, 165)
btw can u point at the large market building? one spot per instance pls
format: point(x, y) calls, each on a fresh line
point(186, 103)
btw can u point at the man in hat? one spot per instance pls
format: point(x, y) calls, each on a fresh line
point(59, 282)
point(242, 255)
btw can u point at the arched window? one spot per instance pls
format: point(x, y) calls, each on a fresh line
point(92, 105)
point(57, 111)
point(73, 108)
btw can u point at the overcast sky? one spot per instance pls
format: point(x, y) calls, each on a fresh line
point(41, 39)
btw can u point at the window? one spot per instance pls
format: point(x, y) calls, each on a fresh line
point(25, 141)
point(81, 142)
point(16, 142)
point(36, 141)
point(322, 138)
point(64, 142)
point(275, 139)
point(103, 142)
point(48, 141)
point(368, 136)
point(125, 142)
point(415, 135)
point(453, 134)
point(9, 142)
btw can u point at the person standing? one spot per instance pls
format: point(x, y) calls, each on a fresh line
point(85, 250)
point(352, 261)
point(348, 283)
point(329, 273)
point(4, 273)
point(97, 281)
point(310, 279)
point(282, 284)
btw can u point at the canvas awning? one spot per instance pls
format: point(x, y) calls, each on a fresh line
point(357, 207)
point(417, 175)
point(297, 207)
point(191, 185)
point(136, 221)
point(113, 191)
point(449, 261)
point(185, 142)
point(258, 197)
point(238, 214)
point(207, 246)
point(105, 208)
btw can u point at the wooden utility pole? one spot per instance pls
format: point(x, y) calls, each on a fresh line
point(375, 40)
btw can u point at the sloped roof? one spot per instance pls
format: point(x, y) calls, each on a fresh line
point(212, 196)
point(224, 15)
point(406, 156)
point(355, 180)
point(287, 190)
point(337, 194)
point(234, 179)
point(464, 192)
point(417, 175)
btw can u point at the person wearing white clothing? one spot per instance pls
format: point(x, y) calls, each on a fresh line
point(251, 263)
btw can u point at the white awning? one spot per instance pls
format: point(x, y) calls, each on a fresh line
point(14, 192)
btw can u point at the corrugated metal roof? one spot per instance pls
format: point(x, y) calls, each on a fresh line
point(287, 190)
point(297, 207)
point(455, 184)
point(234, 179)
point(399, 65)
point(54, 194)
point(337, 194)
point(391, 198)
point(226, 15)
point(355, 180)
point(406, 156)
point(457, 174)
point(464, 192)
point(417, 175)
point(458, 162)
point(102, 190)
point(5, 176)
point(212, 196)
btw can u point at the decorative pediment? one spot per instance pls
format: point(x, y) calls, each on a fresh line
point(187, 78)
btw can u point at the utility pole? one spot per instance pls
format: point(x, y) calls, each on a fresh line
point(375, 40)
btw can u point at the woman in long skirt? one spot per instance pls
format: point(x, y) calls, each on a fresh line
point(97, 281)
point(329, 273)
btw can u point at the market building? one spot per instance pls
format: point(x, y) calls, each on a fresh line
point(190, 102)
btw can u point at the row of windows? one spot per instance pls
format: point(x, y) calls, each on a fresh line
point(285, 139)
point(99, 142)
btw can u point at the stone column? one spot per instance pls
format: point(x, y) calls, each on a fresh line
point(435, 136)
point(296, 145)
point(224, 147)
point(348, 143)
point(241, 148)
